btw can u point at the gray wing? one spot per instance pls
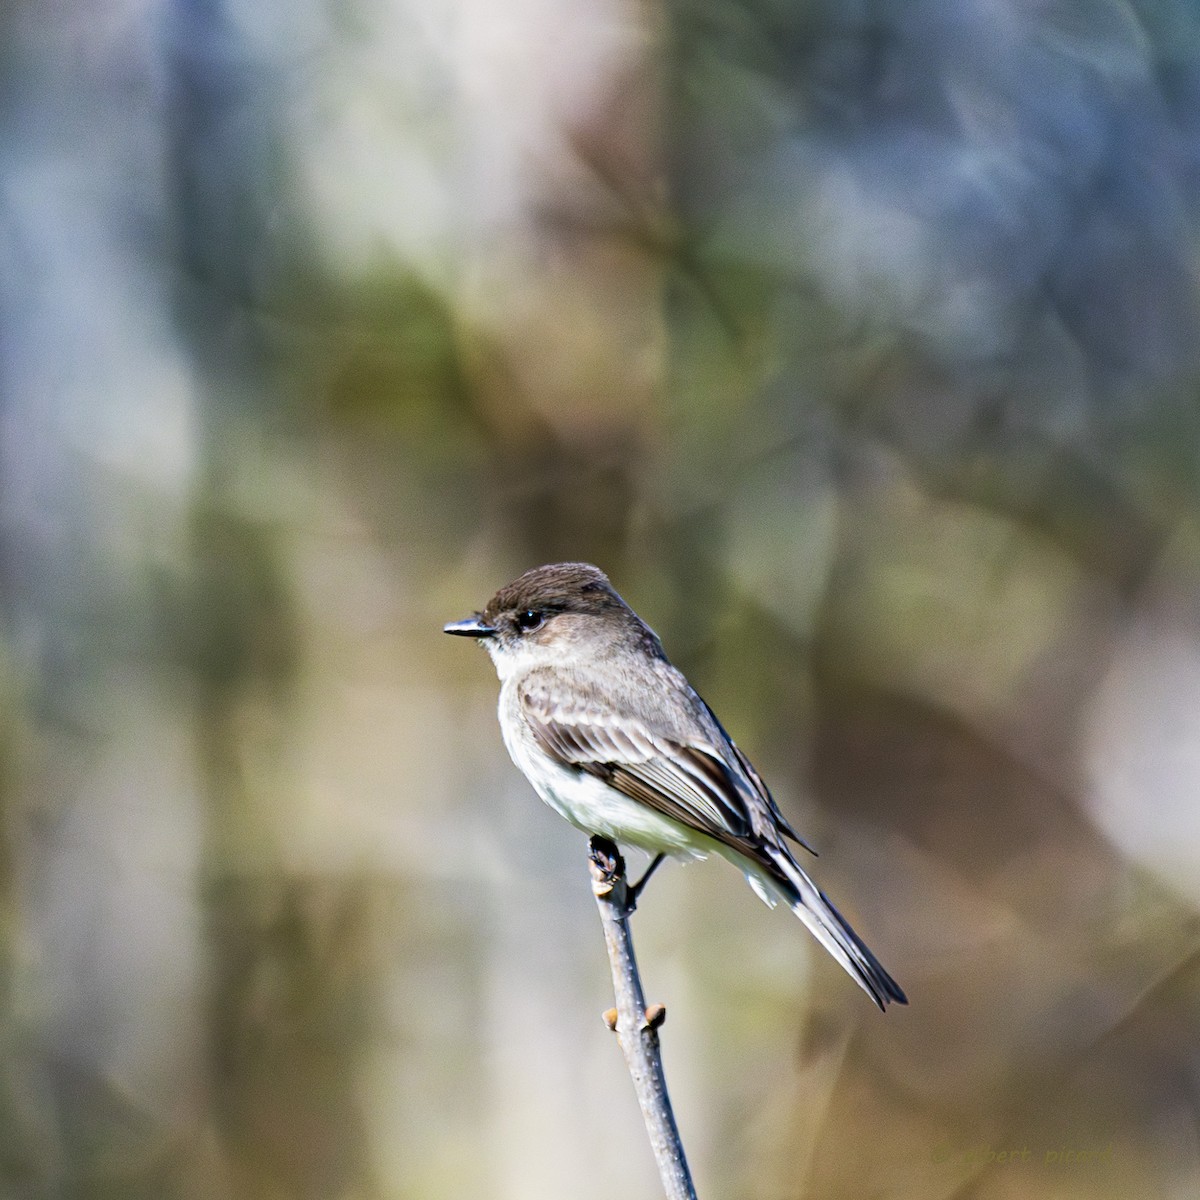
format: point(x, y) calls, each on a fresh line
point(689, 779)
point(761, 790)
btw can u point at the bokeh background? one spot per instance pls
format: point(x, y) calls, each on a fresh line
point(856, 339)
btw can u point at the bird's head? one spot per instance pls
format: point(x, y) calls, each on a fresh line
point(550, 613)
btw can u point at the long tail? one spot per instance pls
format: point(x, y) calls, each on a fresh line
point(830, 928)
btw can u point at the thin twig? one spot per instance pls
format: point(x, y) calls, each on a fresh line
point(635, 1026)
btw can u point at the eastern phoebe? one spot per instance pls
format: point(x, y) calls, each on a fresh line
point(615, 739)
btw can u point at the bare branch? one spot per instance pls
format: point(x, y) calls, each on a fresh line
point(636, 1026)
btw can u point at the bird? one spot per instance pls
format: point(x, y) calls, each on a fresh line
point(613, 737)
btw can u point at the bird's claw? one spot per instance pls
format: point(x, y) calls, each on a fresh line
point(607, 865)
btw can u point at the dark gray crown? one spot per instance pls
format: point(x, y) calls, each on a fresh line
point(557, 587)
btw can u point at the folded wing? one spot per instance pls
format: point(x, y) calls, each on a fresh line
point(689, 782)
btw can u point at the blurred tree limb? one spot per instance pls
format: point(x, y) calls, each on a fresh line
point(636, 1026)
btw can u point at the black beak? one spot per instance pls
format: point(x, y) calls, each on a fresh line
point(471, 627)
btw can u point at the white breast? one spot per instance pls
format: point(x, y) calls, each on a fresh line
point(587, 802)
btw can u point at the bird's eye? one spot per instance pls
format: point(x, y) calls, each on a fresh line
point(530, 619)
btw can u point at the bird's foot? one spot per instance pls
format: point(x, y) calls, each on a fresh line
point(635, 890)
point(607, 866)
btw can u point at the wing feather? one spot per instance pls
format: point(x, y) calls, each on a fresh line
point(760, 788)
point(687, 781)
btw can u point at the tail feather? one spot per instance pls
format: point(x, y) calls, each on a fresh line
point(831, 929)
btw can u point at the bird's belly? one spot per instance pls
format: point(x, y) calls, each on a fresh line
point(591, 805)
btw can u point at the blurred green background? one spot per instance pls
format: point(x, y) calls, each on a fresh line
point(856, 340)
